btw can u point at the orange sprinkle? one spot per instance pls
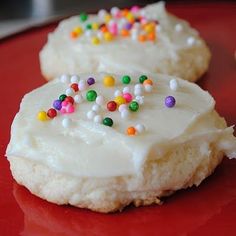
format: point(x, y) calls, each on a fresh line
point(73, 34)
point(147, 81)
point(124, 33)
point(131, 130)
point(104, 29)
point(124, 12)
point(151, 36)
point(142, 38)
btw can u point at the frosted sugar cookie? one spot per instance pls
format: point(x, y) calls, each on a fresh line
point(103, 141)
point(142, 40)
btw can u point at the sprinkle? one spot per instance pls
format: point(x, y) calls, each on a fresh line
point(91, 114)
point(102, 13)
point(75, 87)
point(147, 81)
point(97, 119)
point(125, 114)
point(111, 106)
point(108, 81)
point(108, 36)
point(138, 86)
point(69, 91)
point(100, 35)
point(90, 81)
point(128, 97)
point(126, 90)
point(57, 104)
point(65, 78)
point(114, 11)
point(122, 107)
point(95, 41)
point(173, 84)
point(119, 100)
point(134, 9)
point(78, 30)
point(134, 106)
point(67, 107)
point(170, 101)
point(91, 95)
point(78, 98)
point(124, 33)
point(191, 41)
point(69, 99)
point(83, 17)
point(62, 97)
point(74, 79)
point(138, 91)
point(96, 108)
point(148, 88)
point(107, 121)
point(142, 78)
point(88, 33)
point(100, 100)
point(131, 131)
point(88, 26)
point(51, 113)
point(140, 128)
point(117, 93)
point(151, 36)
point(82, 85)
point(107, 18)
point(66, 122)
point(139, 99)
point(42, 116)
point(142, 38)
point(126, 79)
point(178, 27)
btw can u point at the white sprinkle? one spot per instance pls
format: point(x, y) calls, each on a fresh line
point(136, 26)
point(148, 88)
point(138, 86)
point(100, 100)
point(158, 28)
point(191, 41)
point(78, 98)
point(140, 128)
point(65, 78)
point(96, 108)
point(126, 90)
point(82, 85)
point(91, 114)
point(100, 35)
point(138, 92)
point(114, 10)
point(178, 27)
point(117, 93)
point(102, 13)
point(97, 119)
point(88, 33)
point(122, 107)
point(139, 99)
point(69, 92)
point(66, 122)
point(125, 114)
point(134, 36)
point(173, 84)
point(74, 79)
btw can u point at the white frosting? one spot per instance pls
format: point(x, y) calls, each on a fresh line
point(62, 54)
point(79, 146)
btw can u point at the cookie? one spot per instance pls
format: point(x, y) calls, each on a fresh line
point(142, 40)
point(104, 141)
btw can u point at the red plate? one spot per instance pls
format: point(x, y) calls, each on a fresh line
point(207, 210)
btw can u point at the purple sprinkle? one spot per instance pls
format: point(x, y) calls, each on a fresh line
point(57, 104)
point(91, 81)
point(128, 26)
point(170, 101)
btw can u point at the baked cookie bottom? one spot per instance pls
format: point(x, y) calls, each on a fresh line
point(180, 168)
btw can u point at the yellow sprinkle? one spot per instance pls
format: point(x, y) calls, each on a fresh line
point(95, 26)
point(42, 116)
point(149, 28)
point(95, 41)
point(108, 81)
point(78, 30)
point(130, 16)
point(107, 18)
point(108, 36)
point(119, 100)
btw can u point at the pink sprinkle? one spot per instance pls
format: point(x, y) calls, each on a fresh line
point(144, 21)
point(67, 107)
point(128, 97)
point(113, 29)
point(134, 9)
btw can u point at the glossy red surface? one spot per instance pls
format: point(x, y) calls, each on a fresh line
point(207, 210)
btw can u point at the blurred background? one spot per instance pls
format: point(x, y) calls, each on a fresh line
point(17, 15)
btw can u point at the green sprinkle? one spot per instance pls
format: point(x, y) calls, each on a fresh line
point(142, 78)
point(83, 17)
point(89, 26)
point(126, 79)
point(91, 95)
point(134, 106)
point(107, 121)
point(62, 97)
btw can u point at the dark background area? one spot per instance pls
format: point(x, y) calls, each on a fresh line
point(23, 9)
